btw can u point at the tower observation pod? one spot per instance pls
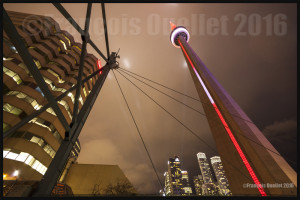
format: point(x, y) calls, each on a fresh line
point(251, 163)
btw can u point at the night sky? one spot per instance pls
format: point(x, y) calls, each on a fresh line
point(258, 69)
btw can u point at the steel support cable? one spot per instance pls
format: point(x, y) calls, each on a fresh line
point(192, 132)
point(165, 94)
point(161, 85)
point(187, 96)
point(238, 132)
point(139, 133)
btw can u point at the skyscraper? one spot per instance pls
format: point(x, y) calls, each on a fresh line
point(176, 180)
point(186, 183)
point(220, 175)
point(173, 177)
point(198, 182)
point(210, 189)
point(205, 184)
point(31, 148)
point(245, 160)
point(204, 168)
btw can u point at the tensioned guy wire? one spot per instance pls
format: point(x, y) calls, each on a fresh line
point(161, 85)
point(165, 94)
point(184, 94)
point(139, 132)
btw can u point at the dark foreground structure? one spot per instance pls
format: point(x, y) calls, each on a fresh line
point(252, 165)
point(50, 84)
point(31, 148)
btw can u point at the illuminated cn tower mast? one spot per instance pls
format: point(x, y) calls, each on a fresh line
point(247, 156)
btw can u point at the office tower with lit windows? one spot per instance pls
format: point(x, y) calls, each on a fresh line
point(198, 182)
point(186, 183)
point(210, 189)
point(173, 178)
point(31, 148)
point(167, 188)
point(220, 175)
point(204, 168)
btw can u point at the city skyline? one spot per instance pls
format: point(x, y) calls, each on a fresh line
point(259, 114)
point(211, 179)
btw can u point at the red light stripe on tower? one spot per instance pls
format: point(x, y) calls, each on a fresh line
point(235, 143)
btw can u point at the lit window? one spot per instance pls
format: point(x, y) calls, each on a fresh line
point(43, 170)
point(5, 127)
point(29, 99)
point(72, 96)
point(35, 164)
point(48, 81)
point(11, 109)
point(66, 39)
point(56, 75)
point(38, 64)
point(6, 59)
point(84, 92)
point(11, 155)
point(29, 161)
point(41, 142)
point(38, 168)
point(5, 152)
point(51, 111)
point(35, 139)
point(22, 65)
point(38, 121)
point(64, 103)
point(65, 47)
point(80, 99)
point(22, 156)
point(77, 47)
point(12, 74)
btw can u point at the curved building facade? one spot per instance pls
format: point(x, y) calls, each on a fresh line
point(32, 147)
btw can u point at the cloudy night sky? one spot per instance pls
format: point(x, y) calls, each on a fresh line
point(259, 70)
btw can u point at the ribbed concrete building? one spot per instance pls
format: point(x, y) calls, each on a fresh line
point(31, 148)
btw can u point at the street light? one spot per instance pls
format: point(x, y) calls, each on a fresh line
point(16, 173)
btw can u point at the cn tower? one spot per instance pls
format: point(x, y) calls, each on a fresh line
point(251, 163)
